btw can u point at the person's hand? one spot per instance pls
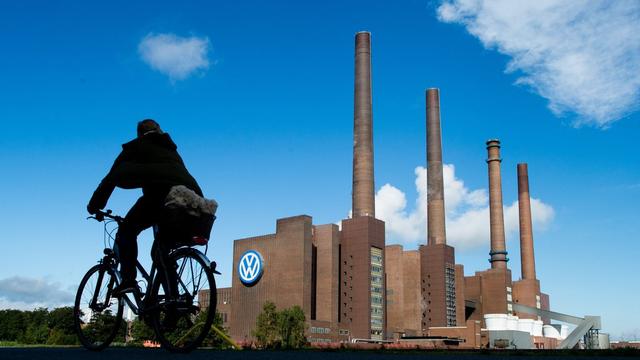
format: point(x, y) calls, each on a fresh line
point(92, 209)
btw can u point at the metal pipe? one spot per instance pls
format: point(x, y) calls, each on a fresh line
point(436, 231)
point(363, 182)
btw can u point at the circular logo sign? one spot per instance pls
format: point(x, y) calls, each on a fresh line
point(250, 267)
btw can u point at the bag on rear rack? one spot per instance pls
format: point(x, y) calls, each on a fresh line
point(188, 217)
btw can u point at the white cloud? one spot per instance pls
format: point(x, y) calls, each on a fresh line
point(27, 293)
point(581, 55)
point(175, 56)
point(467, 212)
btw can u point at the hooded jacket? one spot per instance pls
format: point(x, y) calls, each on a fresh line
point(150, 162)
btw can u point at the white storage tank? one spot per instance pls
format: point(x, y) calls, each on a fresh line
point(537, 328)
point(495, 321)
point(525, 325)
point(564, 331)
point(550, 331)
point(512, 322)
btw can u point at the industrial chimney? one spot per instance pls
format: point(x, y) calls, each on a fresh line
point(436, 232)
point(363, 185)
point(498, 249)
point(437, 259)
point(526, 233)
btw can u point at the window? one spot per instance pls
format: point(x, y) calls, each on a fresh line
point(376, 307)
point(450, 293)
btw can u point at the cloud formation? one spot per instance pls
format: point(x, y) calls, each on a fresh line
point(175, 56)
point(467, 212)
point(23, 293)
point(581, 55)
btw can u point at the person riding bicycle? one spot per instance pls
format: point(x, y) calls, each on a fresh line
point(150, 162)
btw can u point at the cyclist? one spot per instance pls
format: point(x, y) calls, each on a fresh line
point(150, 162)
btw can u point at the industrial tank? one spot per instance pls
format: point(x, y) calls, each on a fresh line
point(495, 321)
point(512, 322)
point(550, 331)
point(537, 328)
point(525, 325)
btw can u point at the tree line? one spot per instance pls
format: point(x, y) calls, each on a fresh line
point(56, 327)
point(39, 326)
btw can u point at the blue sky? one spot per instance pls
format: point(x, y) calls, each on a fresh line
point(262, 108)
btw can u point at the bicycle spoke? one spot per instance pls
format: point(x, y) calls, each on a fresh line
point(97, 316)
point(183, 324)
point(197, 287)
point(192, 278)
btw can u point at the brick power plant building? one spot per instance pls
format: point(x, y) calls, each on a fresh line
point(352, 286)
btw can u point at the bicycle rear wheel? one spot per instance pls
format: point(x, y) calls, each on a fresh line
point(97, 315)
point(183, 320)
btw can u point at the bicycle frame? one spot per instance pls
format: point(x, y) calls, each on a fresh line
point(137, 305)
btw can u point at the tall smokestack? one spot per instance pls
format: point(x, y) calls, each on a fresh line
point(498, 250)
point(363, 186)
point(436, 233)
point(528, 261)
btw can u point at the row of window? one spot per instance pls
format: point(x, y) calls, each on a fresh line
point(450, 295)
point(316, 340)
point(320, 330)
point(376, 310)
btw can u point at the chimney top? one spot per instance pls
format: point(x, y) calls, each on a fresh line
point(493, 143)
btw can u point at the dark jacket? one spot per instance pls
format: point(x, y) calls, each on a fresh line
point(150, 162)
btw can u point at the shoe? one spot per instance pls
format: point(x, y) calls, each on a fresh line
point(125, 286)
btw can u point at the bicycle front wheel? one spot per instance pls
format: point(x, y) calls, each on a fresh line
point(97, 315)
point(183, 316)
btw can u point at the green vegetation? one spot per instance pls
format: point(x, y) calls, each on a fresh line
point(141, 332)
point(56, 327)
point(280, 329)
point(39, 326)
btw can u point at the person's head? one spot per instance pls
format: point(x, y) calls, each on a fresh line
point(148, 126)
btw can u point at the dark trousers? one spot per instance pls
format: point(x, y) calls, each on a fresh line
point(145, 213)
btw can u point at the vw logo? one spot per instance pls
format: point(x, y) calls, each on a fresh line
point(250, 267)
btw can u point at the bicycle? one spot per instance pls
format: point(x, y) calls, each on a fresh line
point(174, 301)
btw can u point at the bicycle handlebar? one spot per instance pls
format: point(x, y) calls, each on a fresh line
point(100, 215)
